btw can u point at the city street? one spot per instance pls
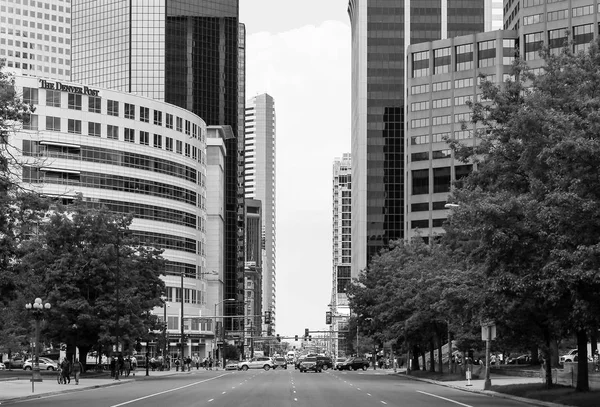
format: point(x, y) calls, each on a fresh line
point(279, 388)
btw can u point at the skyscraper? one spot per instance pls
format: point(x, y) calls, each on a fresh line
point(184, 52)
point(342, 247)
point(380, 33)
point(260, 184)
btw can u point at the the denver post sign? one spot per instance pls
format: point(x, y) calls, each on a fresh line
point(44, 84)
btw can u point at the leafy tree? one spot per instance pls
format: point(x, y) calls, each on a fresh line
point(533, 205)
point(76, 262)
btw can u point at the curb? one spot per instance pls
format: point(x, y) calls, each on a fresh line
point(490, 393)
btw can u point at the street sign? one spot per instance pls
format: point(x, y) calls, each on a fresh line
point(486, 335)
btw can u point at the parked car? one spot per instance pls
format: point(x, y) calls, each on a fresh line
point(280, 362)
point(298, 361)
point(231, 366)
point(15, 363)
point(570, 356)
point(45, 364)
point(310, 364)
point(355, 363)
point(2, 367)
point(261, 362)
point(519, 360)
point(339, 362)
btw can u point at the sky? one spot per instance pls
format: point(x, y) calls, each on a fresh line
point(299, 53)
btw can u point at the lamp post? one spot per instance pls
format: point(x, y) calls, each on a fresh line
point(37, 310)
point(165, 337)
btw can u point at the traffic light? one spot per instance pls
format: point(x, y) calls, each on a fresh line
point(278, 338)
point(328, 317)
point(267, 317)
point(269, 331)
point(310, 337)
point(296, 338)
point(306, 332)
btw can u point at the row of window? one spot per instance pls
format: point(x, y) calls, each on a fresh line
point(94, 105)
point(440, 120)
point(439, 137)
point(582, 36)
point(442, 58)
point(74, 126)
point(435, 155)
point(425, 206)
point(190, 296)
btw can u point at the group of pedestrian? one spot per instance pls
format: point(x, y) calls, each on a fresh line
point(121, 366)
point(67, 368)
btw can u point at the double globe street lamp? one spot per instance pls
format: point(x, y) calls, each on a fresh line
point(37, 310)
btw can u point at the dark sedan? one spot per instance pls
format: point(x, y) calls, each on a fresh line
point(354, 364)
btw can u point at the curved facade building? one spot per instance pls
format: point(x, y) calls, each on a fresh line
point(133, 155)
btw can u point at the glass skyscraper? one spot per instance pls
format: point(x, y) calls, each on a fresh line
point(381, 30)
point(184, 52)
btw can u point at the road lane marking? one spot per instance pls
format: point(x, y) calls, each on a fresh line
point(295, 399)
point(444, 398)
point(383, 402)
point(224, 392)
point(211, 400)
point(168, 391)
point(358, 388)
point(369, 394)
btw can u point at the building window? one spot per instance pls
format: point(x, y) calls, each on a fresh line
point(179, 147)
point(462, 117)
point(188, 127)
point(129, 111)
point(157, 141)
point(416, 140)
point(112, 132)
point(419, 224)
point(144, 138)
point(418, 106)
point(463, 83)
point(463, 134)
point(462, 100)
point(464, 57)
point(112, 108)
point(168, 144)
point(129, 135)
point(94, 129)
point(419, 207)
point(179, 124)
point(144, 114)
point(509, 50)
point(169, 121)
point(52, 123)
point(52, 98)
point(557, 39)
point(420, 64)
point(441, 120)
point(439, 103)
point(418, 89)
point(486, 53)
point(531, 3)
point(461, 171)
point(187, 150)
point(417, 123)
point(420, 182)
point(583, 10)
point(74, 126)
point(74, 101)
point(423, 156)
point(535, 19)
point(30, 121)
point(441, 60)
point(582, 36)
point(440, 86)
point(439, 137)
point(94, 104)
point(30, 96)
point(158, 118)
point(441, 179)
point(557, 15)
point(441, 154)
point(533, 45)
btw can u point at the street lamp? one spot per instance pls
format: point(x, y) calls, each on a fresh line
point(37, 310)
point(165, 305)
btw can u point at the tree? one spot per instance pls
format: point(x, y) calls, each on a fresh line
point(76, 262)
point(533, 204)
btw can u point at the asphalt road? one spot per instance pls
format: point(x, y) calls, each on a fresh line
point(279, 388)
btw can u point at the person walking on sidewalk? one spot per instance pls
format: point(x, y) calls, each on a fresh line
point(65, 367)
point(77, 368)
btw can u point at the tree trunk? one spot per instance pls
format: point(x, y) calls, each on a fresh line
point(594, 340)
point(554, 348)
point(431, 355)
point(441, 343)
point(83, 352)
point(582, 366)
point(535, 359)
point(415, 356)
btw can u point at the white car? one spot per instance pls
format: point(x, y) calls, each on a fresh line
point(261, 362)
point(570, 356)
point(2, 367)
point(45, 364)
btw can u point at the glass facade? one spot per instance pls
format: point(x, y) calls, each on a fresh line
point(184, 52)
point(383, 171)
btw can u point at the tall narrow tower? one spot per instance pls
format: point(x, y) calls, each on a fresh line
point(259, 184)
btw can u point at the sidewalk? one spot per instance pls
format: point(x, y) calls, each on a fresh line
point(20, 388)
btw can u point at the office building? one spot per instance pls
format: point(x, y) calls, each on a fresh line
point(381, 31)
point(342, 248)
point(436, 94)
point(35, 37)
point(131, 154)
point(182, 52)
point(253, 274)
point(259, 182)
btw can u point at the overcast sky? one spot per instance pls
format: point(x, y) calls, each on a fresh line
point(299, 53)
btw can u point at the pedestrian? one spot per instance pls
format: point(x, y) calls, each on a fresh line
point(113, 366)
point(119, 366)
point(127, 366)
point(133, 364)
point(177, 365)
point(65, 367)
point(197, 361)
point(210, 363)
point(77, 369)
